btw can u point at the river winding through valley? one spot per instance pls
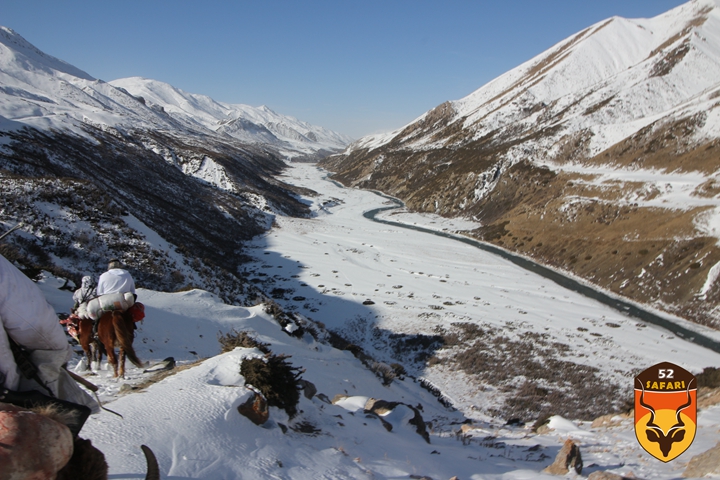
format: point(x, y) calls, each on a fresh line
point(623, 306)
point(402, 275)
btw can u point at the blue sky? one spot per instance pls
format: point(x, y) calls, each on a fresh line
point(356, 67)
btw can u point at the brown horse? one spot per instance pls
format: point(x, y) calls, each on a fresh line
point(115, 328)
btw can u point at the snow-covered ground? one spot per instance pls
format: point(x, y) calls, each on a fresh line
point(333, 263)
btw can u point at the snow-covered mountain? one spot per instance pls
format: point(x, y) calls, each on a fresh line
point(597, 156)
point(41, 91)
point(95, 172)
point(257, 125)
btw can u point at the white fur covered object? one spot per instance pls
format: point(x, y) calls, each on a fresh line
point(27, 318)
point(105, 303)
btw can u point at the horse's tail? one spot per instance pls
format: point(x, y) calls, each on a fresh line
point(125, 336)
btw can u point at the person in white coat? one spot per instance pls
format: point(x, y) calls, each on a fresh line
point(115, 280)
point(30, 322)
point(85, 293)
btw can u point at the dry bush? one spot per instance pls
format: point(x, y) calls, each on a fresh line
point(399, 370)
point(710, 377)
point(287, 320)
point(234, 338)
point(417, 348)
point(384, 371)
point(529, 368)
point(276, 379)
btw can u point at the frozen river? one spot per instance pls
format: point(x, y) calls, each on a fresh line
point(369, 279)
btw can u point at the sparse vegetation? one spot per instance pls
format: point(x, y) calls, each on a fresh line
point(76, 209)
point(234, 338)
point(710, 378)
point(530, 371)
point(384, 371)
point(276, 379)
point(574, 219)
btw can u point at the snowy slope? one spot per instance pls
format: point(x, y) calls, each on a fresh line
point(74, 150)
point(617, 61)
point(190, 419)
point(40, 91)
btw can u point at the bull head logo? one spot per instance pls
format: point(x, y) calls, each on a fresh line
point(665, 410)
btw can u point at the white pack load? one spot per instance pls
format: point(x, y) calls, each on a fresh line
point(106, 303)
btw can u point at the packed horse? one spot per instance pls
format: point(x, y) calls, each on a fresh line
point(114, 329)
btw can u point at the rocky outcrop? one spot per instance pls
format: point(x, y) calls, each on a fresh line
point(568, 458)
point(309, 389)
point(255, 408)
point(381, 408)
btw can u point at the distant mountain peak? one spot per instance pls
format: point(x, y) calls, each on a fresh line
point(32, 56)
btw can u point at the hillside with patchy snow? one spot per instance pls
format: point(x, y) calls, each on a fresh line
point(598, 157)
point(94, 171)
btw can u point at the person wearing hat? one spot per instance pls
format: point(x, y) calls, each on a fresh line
point(115, 280)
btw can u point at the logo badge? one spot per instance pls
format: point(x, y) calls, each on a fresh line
point(665, 410)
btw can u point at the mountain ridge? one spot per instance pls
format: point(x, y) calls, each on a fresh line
point(95, 172)
point(293, 137)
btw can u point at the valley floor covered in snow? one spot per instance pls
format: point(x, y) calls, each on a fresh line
point(371, 282)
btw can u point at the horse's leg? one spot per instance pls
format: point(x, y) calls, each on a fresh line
point(112, 359)
point(97, 353)
point(125, 332)
point(88, 357)
point(106, 333)
point(121, 362)
point(124, 335)
point(84, 338)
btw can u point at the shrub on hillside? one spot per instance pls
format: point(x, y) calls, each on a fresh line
point(384, 371)
point(276, 379)
point(531, 369)
point(234, 338)
point(710, 377)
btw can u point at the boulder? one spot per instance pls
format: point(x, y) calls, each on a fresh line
point(255, 408)
point(380, 407)
point(568, 457)
point(704, 464)
point(324, 398)
point(308, 388)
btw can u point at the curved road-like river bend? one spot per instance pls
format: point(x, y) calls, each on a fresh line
point(564, 281)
